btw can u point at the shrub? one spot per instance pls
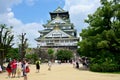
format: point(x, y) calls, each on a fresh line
point(32, 57)
point(104, 67)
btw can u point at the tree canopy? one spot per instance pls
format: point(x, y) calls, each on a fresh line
point(101, 39)
point(64, 55)
point(6, 38)
point(50, 53)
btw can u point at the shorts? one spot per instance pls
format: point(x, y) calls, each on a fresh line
point(14, 71)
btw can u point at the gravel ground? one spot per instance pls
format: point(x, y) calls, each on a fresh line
point(62, 72)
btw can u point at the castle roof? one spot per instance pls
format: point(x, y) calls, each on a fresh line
point(58, 19)
point(59, 10)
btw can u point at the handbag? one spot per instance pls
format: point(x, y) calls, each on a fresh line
point(27, 69)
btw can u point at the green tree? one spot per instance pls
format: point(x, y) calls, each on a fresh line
point(13, 54)
point(32, 57)
point(50, 53)
point(101, 40)
point(6, 38)
point(42, 54)
point(64, 55)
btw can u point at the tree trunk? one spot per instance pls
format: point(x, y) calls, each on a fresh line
point(1, 59)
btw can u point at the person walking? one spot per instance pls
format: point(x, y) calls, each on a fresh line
point(49, 65)
point(73, 62)
point(8, 69)
point(77, 64)
point(25, 65)
point(37, 65)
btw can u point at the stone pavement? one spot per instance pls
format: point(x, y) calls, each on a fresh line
point(63, 72)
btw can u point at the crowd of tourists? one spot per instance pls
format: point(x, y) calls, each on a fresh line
point(83, 60)
point(17, 68)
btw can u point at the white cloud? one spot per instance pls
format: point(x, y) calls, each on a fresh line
point(30, 2)
point(7, 4)
point(79, 9)
point(31, 30)
point(7, 17)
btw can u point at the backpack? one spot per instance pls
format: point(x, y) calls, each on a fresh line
point(27, 70)
point(38, 62)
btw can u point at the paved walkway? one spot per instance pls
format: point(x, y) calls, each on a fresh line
point(63, 72)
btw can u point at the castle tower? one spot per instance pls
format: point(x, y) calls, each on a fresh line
point(58, 32)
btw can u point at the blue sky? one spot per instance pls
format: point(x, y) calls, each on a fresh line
point(36, 11)
point(29, 15)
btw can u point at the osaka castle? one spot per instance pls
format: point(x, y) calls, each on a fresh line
point(58, 32)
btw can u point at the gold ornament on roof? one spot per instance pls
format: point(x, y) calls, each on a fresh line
point(56, 27)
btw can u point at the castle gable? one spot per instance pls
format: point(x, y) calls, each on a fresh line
point(57, 33)
point(59, 9)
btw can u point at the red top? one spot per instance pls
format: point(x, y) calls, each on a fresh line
point(14, 64)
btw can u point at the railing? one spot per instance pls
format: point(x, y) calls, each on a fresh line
point(59, 44)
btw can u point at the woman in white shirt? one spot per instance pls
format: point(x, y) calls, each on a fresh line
point(19, 68)
point(0, 69)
